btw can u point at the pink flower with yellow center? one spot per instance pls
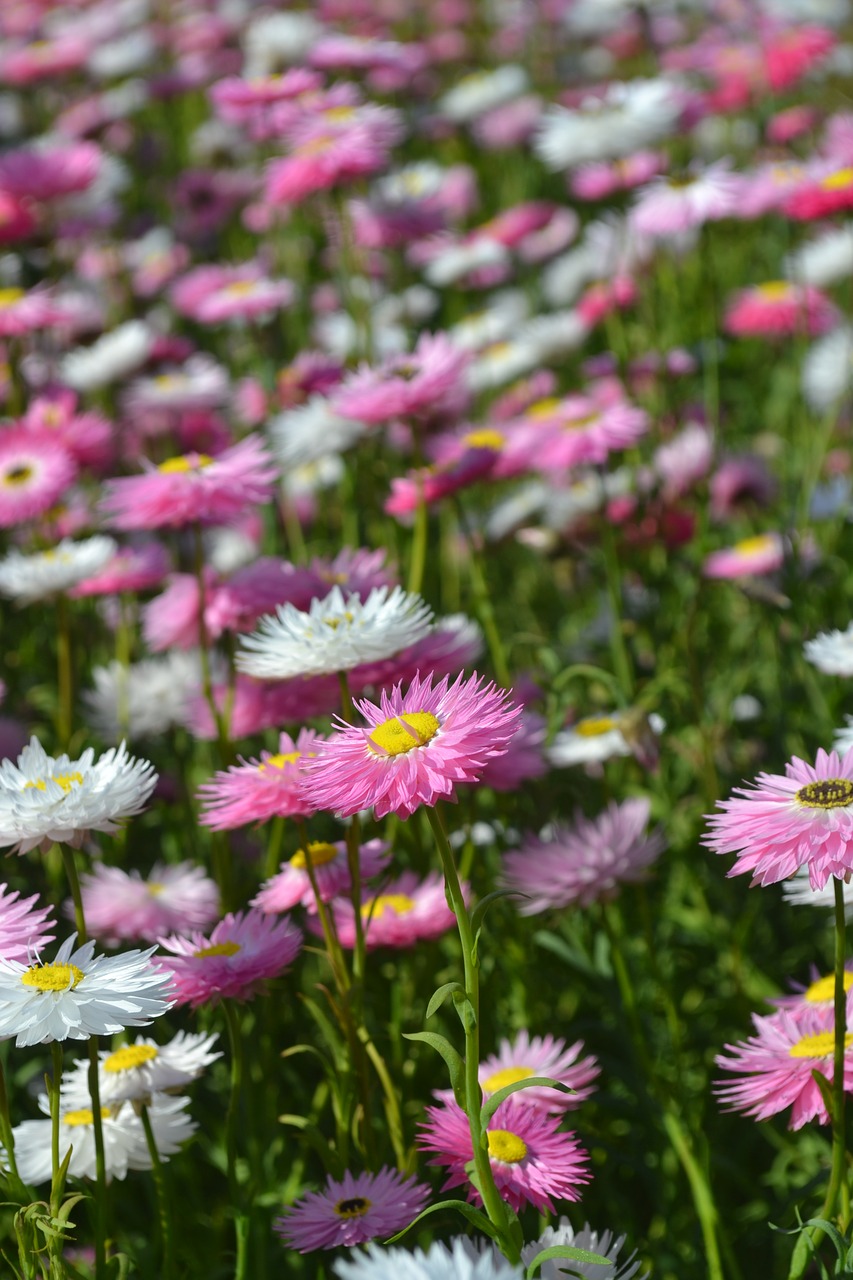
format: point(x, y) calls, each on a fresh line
point(329, 864)
point(780, 309)
point(244, 950)
point(404, 912)
point(257, 790)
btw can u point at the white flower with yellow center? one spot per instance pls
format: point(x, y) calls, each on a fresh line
point(602, 737)
point(135, 1072)
point(27, 578)
point(79, 995)
point(45, 800)
point(145, 699)
point(125, 1146)
point(336, 634)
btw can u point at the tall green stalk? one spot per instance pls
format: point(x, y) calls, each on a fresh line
point(241, 1218)
point(163, 1202)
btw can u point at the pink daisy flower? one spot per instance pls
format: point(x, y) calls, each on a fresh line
point(541, 1056)
point(130, 569)
point(432, 484)
point(425, 383)
point(22, 312)
point(23, 925)
point(121, 906)
point(417, 747)
point(360, 1207)
point(333, 147)
point(213, 294)
point(584, 863)
point(16, 219)
point(88, 437)
point(453, 644)
point(821, 194)
point(257, 790)
point(524, 757)
point(291, 886)
point(818, 995)
point(801, 819)
point(775, 1067)
point(780, 308)
point(35, 470)
point(670, 205)
point(532, 1161)
point(603, 178)
point(556, 434)
point(764, 553)
point(406, 911)
point(242, 951)
point(44, 173)
point(192, 488)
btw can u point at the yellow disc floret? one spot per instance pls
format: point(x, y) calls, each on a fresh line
point(219, 949)
point(130, 1056)
point(506, 1147)
point(819, 1045)
point(355, 1207)
point(508, 1075)
point(319, 853)
point(824, 989)
point(398, 903)
point(83, 1116)
point(399, 734)
point(52, 977)
point(826, 793)
point(174, 466)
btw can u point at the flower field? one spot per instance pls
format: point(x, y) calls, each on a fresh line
point(426, 762)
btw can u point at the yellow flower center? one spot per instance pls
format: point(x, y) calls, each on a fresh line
point(83, 1116)
point(320, 852)
point(485, 439)
point(506, 1147)
point(544, 408)
point(399, 734)
point(53, 977)
point(399, 904)
point(774, 290)
point(240, 288)
point(155, 888)
point(827, 793)
point(357, 1207)
point(838, 181)
point(174, 466)
point(339, 114)
point(17, 475)
point(279, 761)
point(130, 1056)
point(64, 780)
point(755, 546)
point(824, 989)
point(595, 726)
point(8, 297)
point(219, 949)
point(508, 1075)
point(819, 1045)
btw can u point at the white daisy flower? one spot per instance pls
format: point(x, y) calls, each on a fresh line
point(199, 383)
point(823, 261)
point(457, 260)
point(145, 699)
point(629, 115)
point(274, 40)
point(79, 995)
point(136, 1071)
point(843, 739)
point(483, 91)
point(799, 893)
point(301, 436)
point(441, 1262)
point(602, 737)
point(336, 634)
point(26, 578)
point(500, 363)
point(506, 310)
point(828, 369)
point(125, 1146)
point(832, 652)
point(603, 1243)
point(45, 799)
point(110, 359)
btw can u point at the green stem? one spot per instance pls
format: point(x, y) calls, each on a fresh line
point(7, 1137)
point(353, 841)
point(224, 744)
point(56, 1243)
point(65, 674)
point(273, 854)
point(618, 648)
point(420, 539)
point(483, 605)
point(492, 1202)
point(241, 1220)
point(163, 1206)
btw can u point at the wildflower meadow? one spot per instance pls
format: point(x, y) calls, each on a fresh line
point(426, 747)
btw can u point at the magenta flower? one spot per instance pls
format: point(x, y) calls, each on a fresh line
point(192, 488)
point(43, 173)
point(88, 436)
point(242, 951)
point(22, 925)
point(332, 147)
point(801, 819)
point(764, 553)
point(121, 906)
point(360, 1207)
point(417, 747)
point(406, 911)
point(22, 312)
point(257, 790)
point(775, 1067)
point(35, 470)
point(427, 382)
point(291, 886)
point(532, 1161)
point(780, 309)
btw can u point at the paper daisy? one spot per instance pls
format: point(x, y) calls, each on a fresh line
point(803, 818)
point(528, 1056)
point(45, 800)
point(335, 634)
point(26, 578)
point(596, 738)
point(257, 790)
point(35, 469)
point(122, 906)
point(135, 1072)
point(144, 699)
point(776, 1066)
point(242, 951)
point(832, 652)
point(357, 1208)
point(532, 1161)
point(292, 886)
point(407, 911)
point(79, 995)
point(22, 925)
point(417, 747)
point(605, 1243)
point(440, 1262)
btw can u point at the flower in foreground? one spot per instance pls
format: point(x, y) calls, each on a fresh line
point(45, 799)
point(603, 1243)
point(79, 995)
point(583, 863)
point(125, 1146)
point(531, 1159)
point(136, 1072)
point(416, 748)
point(243, 950)
point(782, 823)
point(121, 905)
point(440, 1262)
point(257, 790)
point(527, 1056)
point(775, 1068)
point(357, 1208)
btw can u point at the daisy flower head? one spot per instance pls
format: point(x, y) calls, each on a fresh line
point(244, 950)
point(764, 553)
point(406, 911)
point(827, 373)
point(456, 1261)
point(416, 748)
point(125, 1145)
point(780, 309)
point(214, 294)
point(22, 925)
point(603, 737)
point(527, 1056)
point(427, 381)
point(584, 863)
point(291, 886)
point(144, 699)
point(775, 1067)
point(79, 995)
point(27, 578)
point(604, 1243)
point(35, 470)
point(803, 818)
point(334, 634)
point(45, 800)
point(532, 1161)
point(257, 790)
point(123, 906)
point(832, 652)
point(192, 488)
point(670, 205)
point(136, 1072)
point(355, 1209)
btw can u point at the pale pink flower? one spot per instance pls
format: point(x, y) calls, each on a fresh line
point(527, 1056)
point(238, 101)
point(668, 205)
point(44, 173)
point(23, 925)
point(603, 178)
point(243, 951)
point(44, 59)
point(87, 436)
point(764, 553)
point(122, 906)
point(23, 312)
point(130, 569)
point(213, 294)
point(257, 790)
point(405, 911)
point(333, 147)
point(291, 886)
point(35, 470)
point(425, 383)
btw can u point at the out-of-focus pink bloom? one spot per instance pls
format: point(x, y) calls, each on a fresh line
point(291, 886)
point(684, 460)
point(88, 437)
point(49, 172)
point(250, 402)
point(454, 644)
point(822, 194)
point(424, 384)
point(256, 705)
point(764, 553)
point(130, 569)
point(430, 485)
point(213, 294)
point(311, 373)
point(22, 312)
point(44, 59)
point(791, 123)
point(524, 758)
point(768, 187)
point(780, 309)
point(124, 907)
point(35, 470)
point(330, 148)
point(668, 205)
point(407, 911)
point(606, 296)
point(243, 951)
point(604, 178)
point(557, 434)
point(239, 101)
point(510, 125)
point(17, 220)
point(792, 53)
point(738, 480)
point(23, 925)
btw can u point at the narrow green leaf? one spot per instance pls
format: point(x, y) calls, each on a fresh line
point(440, 995)
point(475, 1216)
point(492, 1103)
point(452, 1057)
point(479, 912)
point(465, 1009)
point(566, 1252)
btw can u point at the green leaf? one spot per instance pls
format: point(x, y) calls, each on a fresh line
point(492, 1103)
point(440, 995)
point(452, 1057)
point(475, 1216)
point(563, 1251)
point(317, 1140)
point(465, 1009)
point(479, 913)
